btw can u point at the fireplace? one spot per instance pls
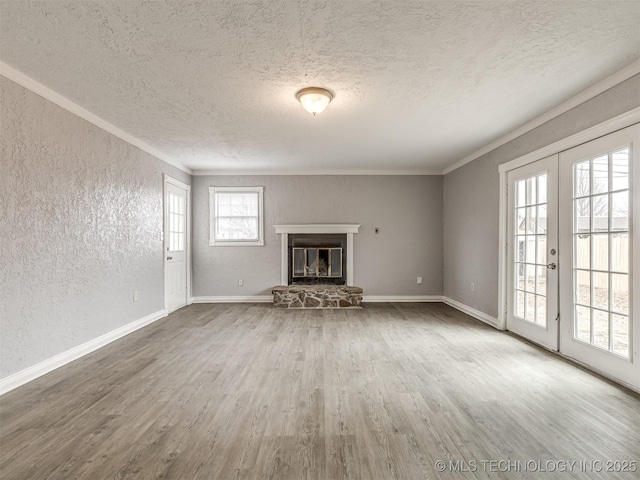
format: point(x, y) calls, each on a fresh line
point(317, 259)
point(316, 254)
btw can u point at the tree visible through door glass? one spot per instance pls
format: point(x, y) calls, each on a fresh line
point(601, 251)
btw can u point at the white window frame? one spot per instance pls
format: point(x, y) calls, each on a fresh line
point(212, 212)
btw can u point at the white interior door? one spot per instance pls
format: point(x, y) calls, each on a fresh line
point(600, 245)
point(175, 246)
point(532, 285)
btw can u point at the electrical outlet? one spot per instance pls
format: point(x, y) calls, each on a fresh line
point(473, 287)
point(419, 280)
point(136, 295)
point(240, 282)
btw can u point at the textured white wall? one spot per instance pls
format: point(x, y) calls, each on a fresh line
point(407, 209)
point(471, 198)
point(80, 225)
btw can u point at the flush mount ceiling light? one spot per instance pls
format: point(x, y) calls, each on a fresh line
point(314, 99)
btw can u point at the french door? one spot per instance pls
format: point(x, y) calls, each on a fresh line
point(573, 248)
point(532, 307)
point(599, 241)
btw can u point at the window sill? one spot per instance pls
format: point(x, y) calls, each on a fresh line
point(253, 243)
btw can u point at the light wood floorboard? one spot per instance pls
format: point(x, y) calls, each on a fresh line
point(248, 392)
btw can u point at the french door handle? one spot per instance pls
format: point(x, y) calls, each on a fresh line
point(551, 266)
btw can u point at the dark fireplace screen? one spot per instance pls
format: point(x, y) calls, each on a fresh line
point(317, 262)
point(317, 259)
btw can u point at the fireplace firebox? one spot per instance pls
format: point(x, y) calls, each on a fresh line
point(317, 259)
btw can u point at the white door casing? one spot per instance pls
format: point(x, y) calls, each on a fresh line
point(532, 255)
point(176, 245)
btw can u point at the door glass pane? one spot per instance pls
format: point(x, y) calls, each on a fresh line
point(601, 290)
point(600, 213)
point(620, 211)
point(541, 242)
point(581, 179)
point(601, 199)
point(601, 329)
point(521, 218)
point(521, 198)
point(177, 220)
point(541, 224)
point(531, 221)
point(620, 252)
point(531, 249)
point(600, 244)
point(620, 170)
point(520, 247)
point(582, 215)
point(519, 280)
point(531, 191)
point(583, 287)
point(620, 293)
point(530, 307)
point(583, 324)
point(530, 278)
point(542, 188)
point(582, 248)
point(530, 241)
point(620, 332)
point(600, 171)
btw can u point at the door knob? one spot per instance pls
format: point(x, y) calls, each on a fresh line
point(171, 258)
point(551, 266)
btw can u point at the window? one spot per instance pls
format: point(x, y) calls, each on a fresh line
point(236, 216)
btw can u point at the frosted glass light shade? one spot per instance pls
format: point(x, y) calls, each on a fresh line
point(314, 99)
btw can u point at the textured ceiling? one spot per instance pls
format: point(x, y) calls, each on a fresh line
point(418, 84)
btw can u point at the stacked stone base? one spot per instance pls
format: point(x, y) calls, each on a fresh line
point(317, 296)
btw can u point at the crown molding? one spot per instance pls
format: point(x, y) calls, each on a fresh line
point(45, 92)
point(587, 94)
point(242, 173)
point(623, 120)
point(63, 102)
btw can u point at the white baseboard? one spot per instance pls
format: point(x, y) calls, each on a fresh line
point(31, 373)
point(483, 317)
point(235, 299)
point(400, 298)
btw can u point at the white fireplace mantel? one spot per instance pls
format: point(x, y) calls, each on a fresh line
point(285, 230)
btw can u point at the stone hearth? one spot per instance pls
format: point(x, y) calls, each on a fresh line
point(317, 296)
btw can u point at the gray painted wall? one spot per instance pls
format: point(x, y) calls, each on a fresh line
point(407, 209)
point(80, 226)
point(471, 198)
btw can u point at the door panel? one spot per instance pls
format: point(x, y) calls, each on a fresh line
point(175, 241)
point(599, 220)
point(532, 304)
